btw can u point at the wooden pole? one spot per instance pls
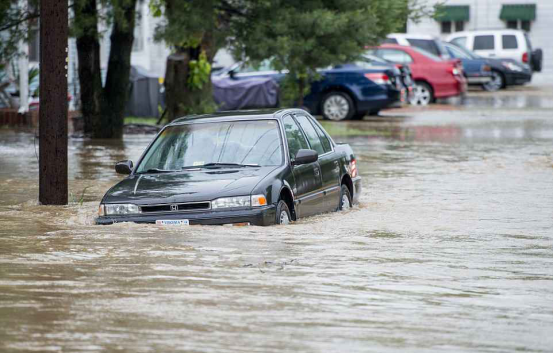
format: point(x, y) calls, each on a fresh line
point(53, 102)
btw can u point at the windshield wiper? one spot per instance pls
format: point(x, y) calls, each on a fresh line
point(157, 170)
point(220, 165)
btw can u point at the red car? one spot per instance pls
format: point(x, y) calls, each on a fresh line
point(434, 77)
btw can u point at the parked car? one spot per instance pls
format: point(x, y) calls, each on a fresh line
point(434, 77)
point(504, 72)
point(405, 72)
point(426, 42)
point(347, 91)
point(476, 69)
point(256, 167)
point(500, 44)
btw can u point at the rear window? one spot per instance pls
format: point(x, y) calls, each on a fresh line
point(483, 42)
point(509, 41)
point(395, 56)
point(425, 44)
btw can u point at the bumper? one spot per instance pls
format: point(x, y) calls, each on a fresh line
point(262, 216)
point(515, 78)
point(373, 102)
point(478, 80)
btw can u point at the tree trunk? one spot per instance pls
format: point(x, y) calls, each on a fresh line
point(88, 51)
point(180, 99)
point(116, 90)
point(176, 73)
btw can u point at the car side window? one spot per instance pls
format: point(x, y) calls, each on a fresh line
point(395, 56)
point(483, 42)
point(311, 133)
point(509, 41)
point(459, 41)
point(324, 139)
point(295, 138)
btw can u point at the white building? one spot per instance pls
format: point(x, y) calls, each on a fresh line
point(533, 16)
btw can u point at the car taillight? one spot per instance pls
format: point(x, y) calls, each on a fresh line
point(378, 78)
point(454, 71)
point(525, 57)
point(353, 169)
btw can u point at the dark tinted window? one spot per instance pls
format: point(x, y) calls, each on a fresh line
point(295, 138)
point(313, 138)
point(509, 41)
point(425, 44)
point(526, 25)
point(483, 42)
point(390, 41)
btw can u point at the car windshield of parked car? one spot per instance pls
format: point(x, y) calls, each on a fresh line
point(457, 53)
point(255, 142)
point(466, 51)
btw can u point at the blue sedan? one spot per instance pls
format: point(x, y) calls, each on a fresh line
point(347, 91)
point(476, 70)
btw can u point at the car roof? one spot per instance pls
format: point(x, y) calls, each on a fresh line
point(413, 36)
point(489, 31)
point(236, 115)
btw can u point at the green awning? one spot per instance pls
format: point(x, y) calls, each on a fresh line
point(452, 13)
point(518, 12)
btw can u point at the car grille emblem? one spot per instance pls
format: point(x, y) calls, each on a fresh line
point(174, 207)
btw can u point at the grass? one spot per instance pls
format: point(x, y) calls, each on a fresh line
point(140, 120)
point(345, 129)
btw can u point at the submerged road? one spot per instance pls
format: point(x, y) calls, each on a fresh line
point(449, 250)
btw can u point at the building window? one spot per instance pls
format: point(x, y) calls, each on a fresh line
point(446, 27)
point(452, 26)
point(459, 26)
point(518, 16)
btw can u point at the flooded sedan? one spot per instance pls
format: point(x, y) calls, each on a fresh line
point(450, 249)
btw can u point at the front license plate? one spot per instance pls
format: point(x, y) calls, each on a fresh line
point(172, 222)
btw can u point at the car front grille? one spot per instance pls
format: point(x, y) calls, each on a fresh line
point(174, 208)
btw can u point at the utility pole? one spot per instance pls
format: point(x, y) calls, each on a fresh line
point(53, 102)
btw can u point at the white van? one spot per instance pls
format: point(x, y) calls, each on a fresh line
point(500, 44)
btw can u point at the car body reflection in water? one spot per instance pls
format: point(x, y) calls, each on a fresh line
point(450, 249)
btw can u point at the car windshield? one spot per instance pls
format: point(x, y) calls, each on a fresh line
point(464, 50)
point(239, 143)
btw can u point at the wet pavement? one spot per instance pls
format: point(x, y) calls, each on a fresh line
point(449, 250)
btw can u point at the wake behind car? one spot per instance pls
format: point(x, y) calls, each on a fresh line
point(254, 167)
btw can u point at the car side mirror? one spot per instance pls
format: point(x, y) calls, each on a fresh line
point(304, 156)
point(124, 167)
point(232, 73)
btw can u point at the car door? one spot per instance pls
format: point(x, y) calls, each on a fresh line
point(327, 159)
point(307, 178)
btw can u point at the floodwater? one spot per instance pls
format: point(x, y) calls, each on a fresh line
point(449, 250)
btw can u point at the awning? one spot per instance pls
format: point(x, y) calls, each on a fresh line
point(518, 12)
point(452, 13)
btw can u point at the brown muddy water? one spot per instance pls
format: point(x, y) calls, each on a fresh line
point(450, 250)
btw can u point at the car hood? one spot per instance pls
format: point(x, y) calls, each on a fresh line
point(186, 186)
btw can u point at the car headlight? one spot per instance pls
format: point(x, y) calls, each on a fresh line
point(239, 202)
point(118, 209)
point(512, 66)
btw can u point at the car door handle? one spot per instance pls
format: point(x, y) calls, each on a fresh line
point(316, 171)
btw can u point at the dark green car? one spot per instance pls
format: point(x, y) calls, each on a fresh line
point(241, 167)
